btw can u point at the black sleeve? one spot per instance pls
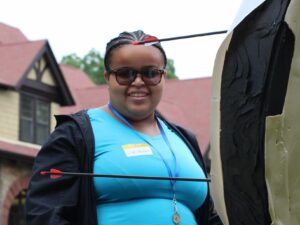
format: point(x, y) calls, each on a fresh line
point(54, 201)
point(213, 218)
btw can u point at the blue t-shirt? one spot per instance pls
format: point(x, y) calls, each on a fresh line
point(120, 150)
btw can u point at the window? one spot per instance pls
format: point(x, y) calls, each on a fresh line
point(34, 119)
point(17, 210)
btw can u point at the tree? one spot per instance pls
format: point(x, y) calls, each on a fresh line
point(171, 69)
point(72, 60)
point(93, 65)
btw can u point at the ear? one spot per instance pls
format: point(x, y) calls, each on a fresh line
point(165, 74)
point(106, 76)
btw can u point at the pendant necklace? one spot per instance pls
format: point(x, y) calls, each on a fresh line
point(175, 217)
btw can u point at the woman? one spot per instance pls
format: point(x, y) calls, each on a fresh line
point(127, 136)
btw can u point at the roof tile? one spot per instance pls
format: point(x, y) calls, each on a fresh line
point(15, 60)
point(9, 34)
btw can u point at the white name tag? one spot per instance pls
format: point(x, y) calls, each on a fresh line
point(136, 149)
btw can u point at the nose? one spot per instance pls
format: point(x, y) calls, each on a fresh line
point(138, 80)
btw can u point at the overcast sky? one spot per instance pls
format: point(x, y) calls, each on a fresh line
point(76, 26)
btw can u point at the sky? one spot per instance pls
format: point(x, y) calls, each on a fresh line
point(77, 26)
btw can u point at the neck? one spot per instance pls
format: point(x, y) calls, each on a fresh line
point(146, 125)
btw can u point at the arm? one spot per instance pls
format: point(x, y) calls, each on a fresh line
point(54, 201)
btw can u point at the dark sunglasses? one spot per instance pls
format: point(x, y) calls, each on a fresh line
point(125, 76)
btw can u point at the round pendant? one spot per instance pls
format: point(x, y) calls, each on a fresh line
point(176, 218)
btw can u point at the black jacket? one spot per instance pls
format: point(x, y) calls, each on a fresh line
point(71, 200)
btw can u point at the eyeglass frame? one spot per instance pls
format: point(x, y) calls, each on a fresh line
point(135, 74)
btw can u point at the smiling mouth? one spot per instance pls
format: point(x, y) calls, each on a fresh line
point(138, 94)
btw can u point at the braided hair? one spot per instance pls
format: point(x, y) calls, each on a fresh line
point(125, 38)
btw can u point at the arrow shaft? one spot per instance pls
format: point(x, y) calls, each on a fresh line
point(184, 37)
point(128, 176)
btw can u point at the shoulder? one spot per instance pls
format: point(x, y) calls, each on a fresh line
point(179, 129)
point(71, 127)
point(71, 131)
point(78, 117)
point(189, 135)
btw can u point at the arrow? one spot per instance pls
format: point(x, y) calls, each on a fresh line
point(54, 174)
point(153, 40)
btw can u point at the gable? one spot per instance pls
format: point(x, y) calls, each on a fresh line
point(31, 67)
point(41, 71)
point(15, 60)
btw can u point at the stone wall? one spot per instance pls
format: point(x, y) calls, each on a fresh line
point(14, 177)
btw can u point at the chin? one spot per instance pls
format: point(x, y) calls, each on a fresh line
point(139, 114)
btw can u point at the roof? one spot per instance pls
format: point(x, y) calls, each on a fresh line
point(86, 98)
point(16, 59)
point(18, 56)
point(10, 35)
point(75, 78)
point(185, 102)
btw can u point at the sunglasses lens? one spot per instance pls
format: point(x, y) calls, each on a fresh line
point(125, 76)
point(152, 76)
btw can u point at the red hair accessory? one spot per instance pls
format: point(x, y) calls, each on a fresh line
point(147, 40)
point(150, 39)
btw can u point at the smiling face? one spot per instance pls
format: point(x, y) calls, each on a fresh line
point(136, 101)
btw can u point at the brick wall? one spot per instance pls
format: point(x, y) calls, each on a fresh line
point(14, 177)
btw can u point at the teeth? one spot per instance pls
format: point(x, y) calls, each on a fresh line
point(137, 94)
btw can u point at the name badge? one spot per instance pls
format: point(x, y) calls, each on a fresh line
point(131, 150)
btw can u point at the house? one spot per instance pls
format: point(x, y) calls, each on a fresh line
point(34, 87)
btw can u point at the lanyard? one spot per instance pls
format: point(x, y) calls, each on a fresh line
point(172, 182)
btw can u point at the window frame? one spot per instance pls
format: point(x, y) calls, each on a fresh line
point(34, 123)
